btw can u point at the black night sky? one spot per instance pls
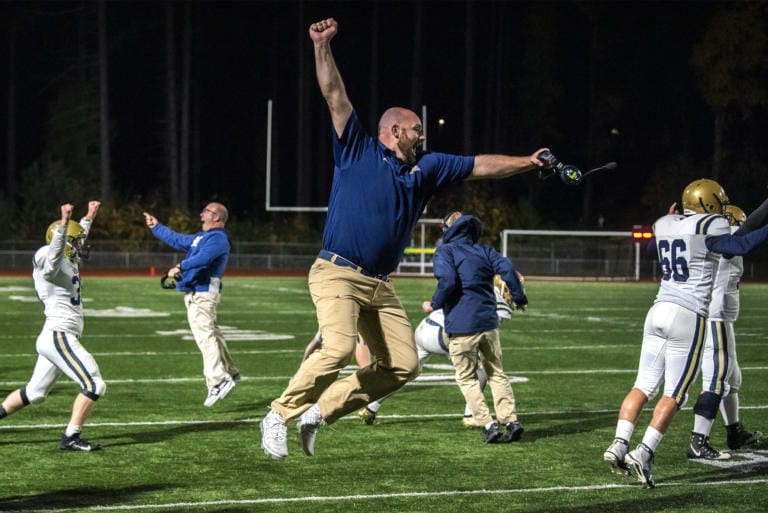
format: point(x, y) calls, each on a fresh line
point(594, 81)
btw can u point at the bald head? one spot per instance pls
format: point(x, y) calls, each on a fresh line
point(214, 215)
point(396, 116)
point(220, 210)
point(400, 130)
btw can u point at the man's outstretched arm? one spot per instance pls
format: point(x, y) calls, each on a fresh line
point(503, 166)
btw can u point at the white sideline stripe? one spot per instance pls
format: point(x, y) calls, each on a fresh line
point(163, 353)
point(349, 417)
point(422, 380)
point(447, 493)
point(579, 347)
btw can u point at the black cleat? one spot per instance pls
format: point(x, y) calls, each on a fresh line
point(75, 443)
point(514, 432)
point(699, 449)
point(492, 435)
point(738, 437)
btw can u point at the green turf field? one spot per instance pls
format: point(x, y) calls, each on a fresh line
point(573, 356)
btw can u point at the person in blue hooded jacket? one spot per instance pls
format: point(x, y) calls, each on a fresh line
point(199, 276)
point(464, 270)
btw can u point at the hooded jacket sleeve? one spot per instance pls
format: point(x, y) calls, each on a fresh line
point(445, 272)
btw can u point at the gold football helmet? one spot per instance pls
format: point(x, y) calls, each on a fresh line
point(499, 284)
point(704, 196)
point(449, 219)
point(75, 237)
point(735, 215)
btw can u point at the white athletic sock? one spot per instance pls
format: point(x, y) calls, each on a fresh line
point(652, 438)
point(374, 406)
point(729, 408)
point(624, 430)
point(72, 429)
point(702, 425)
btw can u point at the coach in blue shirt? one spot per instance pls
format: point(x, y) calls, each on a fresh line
point(380, 187)
point(199, 276)
point(464, 270)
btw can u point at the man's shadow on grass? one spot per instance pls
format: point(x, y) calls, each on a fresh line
point(79, 497)
point(139, 437)
point(162, 435)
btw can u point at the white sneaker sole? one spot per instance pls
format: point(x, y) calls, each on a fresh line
point(618, 467)
point(223, 392)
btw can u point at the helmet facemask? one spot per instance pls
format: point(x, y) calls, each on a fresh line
point(75, 248)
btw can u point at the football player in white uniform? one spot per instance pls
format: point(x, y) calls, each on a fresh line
point(57, 282)
point(689, 248)
point(431, 338)
point(721, 374)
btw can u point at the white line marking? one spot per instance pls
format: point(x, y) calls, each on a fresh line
point(380, 496)
point(349, 417)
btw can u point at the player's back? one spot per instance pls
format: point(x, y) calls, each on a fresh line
point(688, 267)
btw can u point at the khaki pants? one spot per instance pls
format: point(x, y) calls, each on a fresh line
point(463, 350)
point(201, 313)
point(347, 303)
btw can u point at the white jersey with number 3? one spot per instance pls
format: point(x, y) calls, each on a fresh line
point(687, 265)
point(57, 283)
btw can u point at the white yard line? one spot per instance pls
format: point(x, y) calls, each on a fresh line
point(383, 496)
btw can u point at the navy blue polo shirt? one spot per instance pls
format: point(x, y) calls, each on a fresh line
point(376, 199)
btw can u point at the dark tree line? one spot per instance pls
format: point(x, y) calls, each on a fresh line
point(163, 104)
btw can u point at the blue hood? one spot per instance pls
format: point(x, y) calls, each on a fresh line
point(466, 229)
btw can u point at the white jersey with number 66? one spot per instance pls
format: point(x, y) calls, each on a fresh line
point(688, 267)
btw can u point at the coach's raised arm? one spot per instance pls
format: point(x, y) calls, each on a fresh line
point(380, 187)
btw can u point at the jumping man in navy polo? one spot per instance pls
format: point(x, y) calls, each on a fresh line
point(380, 188)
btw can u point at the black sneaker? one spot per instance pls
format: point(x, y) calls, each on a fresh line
point(492, 435)
point(699, 449)
point(514, 432)
point(738, 437)
point(75, 443)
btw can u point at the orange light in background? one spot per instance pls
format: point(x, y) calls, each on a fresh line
point(641, 232)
